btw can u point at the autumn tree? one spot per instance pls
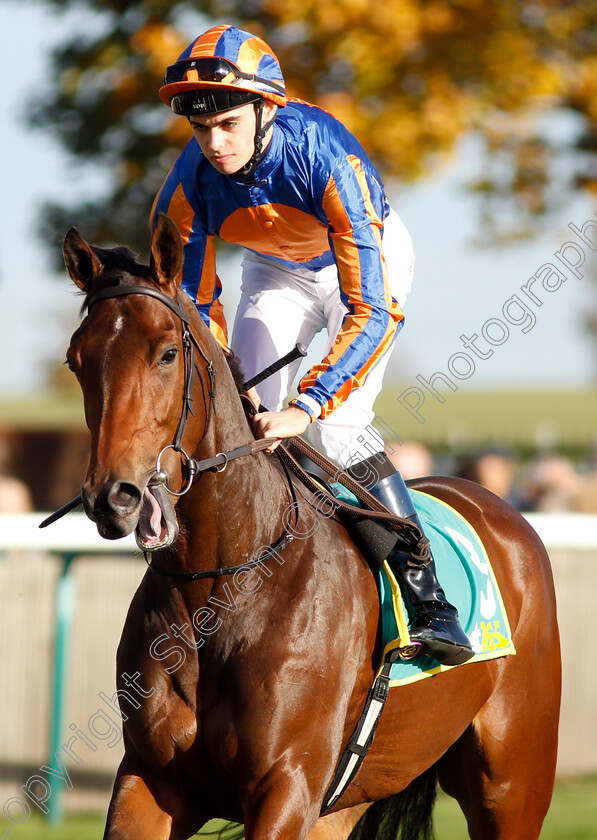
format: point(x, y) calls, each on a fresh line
point(408, 77)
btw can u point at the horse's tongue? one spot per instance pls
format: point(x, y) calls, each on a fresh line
point(150, 519)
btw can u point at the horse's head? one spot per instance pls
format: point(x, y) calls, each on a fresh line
point(129, 357)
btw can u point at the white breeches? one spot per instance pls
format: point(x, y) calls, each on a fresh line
point(279, 307)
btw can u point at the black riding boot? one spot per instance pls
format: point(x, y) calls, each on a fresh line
point(435, 625)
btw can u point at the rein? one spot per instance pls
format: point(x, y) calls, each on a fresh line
point(406, 530)
point(279, 545)
point(218, 462)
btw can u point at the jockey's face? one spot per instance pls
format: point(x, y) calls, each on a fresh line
point(228, 140)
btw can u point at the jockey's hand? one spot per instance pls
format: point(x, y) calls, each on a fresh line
point(290, 422)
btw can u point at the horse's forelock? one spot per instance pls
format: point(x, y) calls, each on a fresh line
point(119, 268)
point(122, 259)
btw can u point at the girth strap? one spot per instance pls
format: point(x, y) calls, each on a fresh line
point(361, 739)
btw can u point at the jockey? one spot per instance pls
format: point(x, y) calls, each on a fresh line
point(323, 249)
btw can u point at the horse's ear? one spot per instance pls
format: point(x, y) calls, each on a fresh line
point(166, 251)
point(81, 262)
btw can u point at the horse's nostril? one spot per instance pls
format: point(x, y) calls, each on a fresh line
point(124, 497)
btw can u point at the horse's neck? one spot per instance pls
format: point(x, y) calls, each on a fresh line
point(251, 484)
point(244, 506)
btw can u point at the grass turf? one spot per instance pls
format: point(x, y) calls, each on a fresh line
point(572, 816)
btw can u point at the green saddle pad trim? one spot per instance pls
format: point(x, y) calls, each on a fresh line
point(465, 574)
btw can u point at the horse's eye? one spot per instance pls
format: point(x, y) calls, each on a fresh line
point(169, 356)
point(70, 366)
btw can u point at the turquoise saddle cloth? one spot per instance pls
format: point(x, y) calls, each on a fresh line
point(466, 576)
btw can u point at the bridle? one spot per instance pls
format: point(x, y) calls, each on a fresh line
point(218, 462)
point(189, 345)
point(372, 509)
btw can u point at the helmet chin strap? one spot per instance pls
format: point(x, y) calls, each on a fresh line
point(260, 132)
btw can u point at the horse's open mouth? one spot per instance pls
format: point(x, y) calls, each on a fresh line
point(157, 526)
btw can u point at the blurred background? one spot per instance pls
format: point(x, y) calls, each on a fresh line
point(481, 116)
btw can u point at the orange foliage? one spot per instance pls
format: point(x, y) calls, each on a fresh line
point(408, 77)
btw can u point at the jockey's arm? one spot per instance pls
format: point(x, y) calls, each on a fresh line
point(372, 318)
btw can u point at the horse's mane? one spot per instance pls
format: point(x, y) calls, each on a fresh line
point(120, 268)
point(236, 370)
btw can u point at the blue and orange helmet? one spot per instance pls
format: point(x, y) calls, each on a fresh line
point(222, 69)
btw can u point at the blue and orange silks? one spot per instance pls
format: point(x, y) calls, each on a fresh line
point(314, 200)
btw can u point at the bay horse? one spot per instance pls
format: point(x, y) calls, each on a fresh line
point(239, 692)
